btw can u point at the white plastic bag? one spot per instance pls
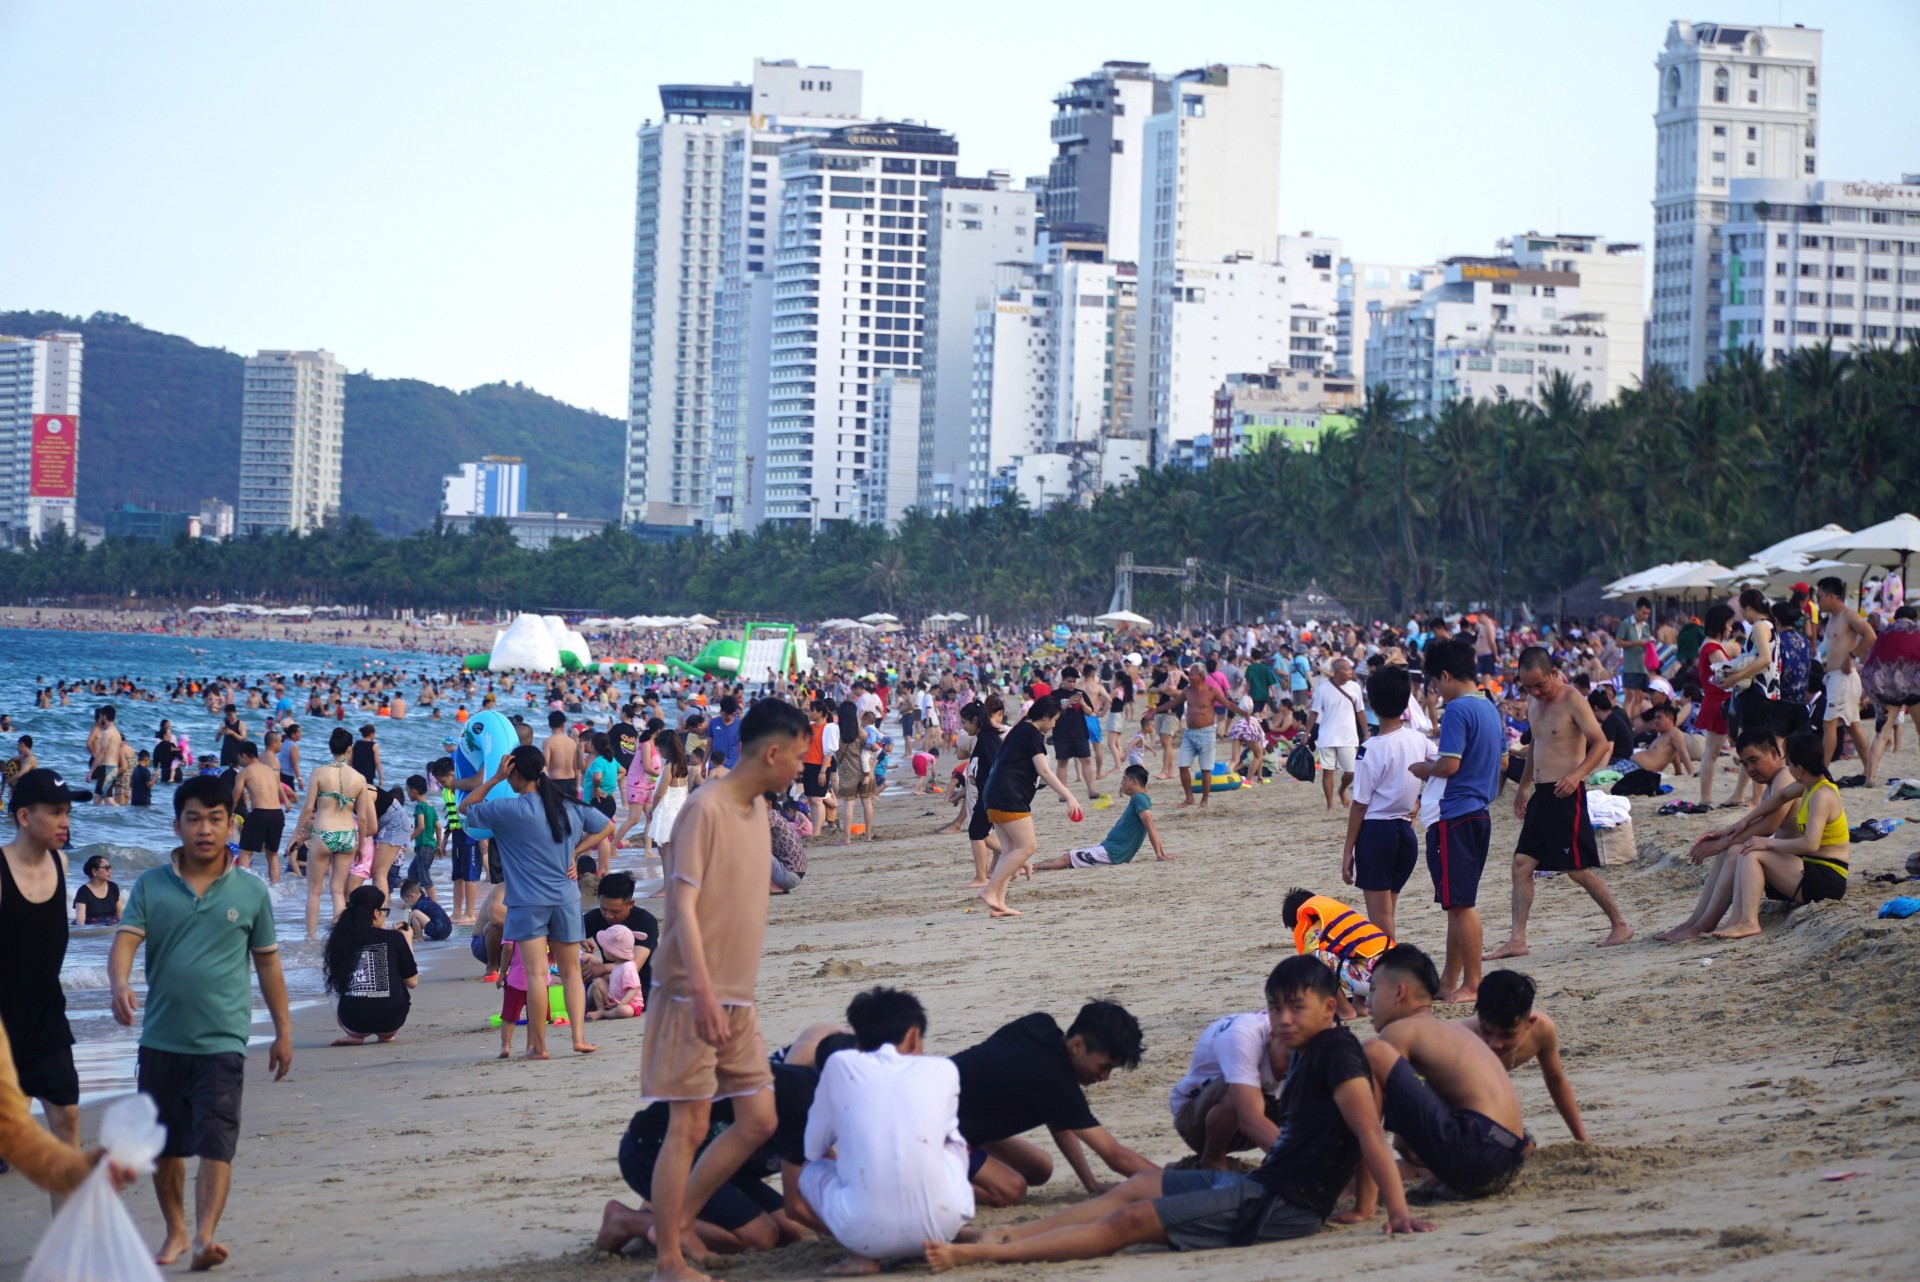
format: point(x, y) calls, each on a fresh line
point(93, 1239)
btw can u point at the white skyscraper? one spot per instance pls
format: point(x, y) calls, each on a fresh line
point(678, 270)
point(1613, 289)
point(495, 486)
point(1099, 133)
point(292, 411)
point(1822, 262)
point(889, 487)
point(1365, 290)
point(1210, 191)
point(39, 433)
point(849, 293)
point(975, 225)
point(1734, 102)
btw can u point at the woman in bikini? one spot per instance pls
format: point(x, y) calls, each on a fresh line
point(1806, 860)
point(337, 813)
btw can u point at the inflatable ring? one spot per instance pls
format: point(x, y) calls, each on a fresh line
point(484, 740)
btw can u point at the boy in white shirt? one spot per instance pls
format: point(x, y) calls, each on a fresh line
point(1229, 1101)
point(891, 1117)
point(1382, 848)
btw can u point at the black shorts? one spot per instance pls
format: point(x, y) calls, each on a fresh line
point(260, 831)
point(1486, 665)
point(1384, 854)
point(1456, 856)
point(496, 875)
point(604, 805)
point(976, 1158)
point(979, 827)
point(569, 788)
point(1637, 782)
point(1557, 833)
point(199, 1100)
point(1260, 705)
point(734, 1205)
point(1073, 749)
point(1817, 882)
point(1633, 681)
point(1467, 1151)
point(48, 1074)
point(289, 780)
point(813, 780)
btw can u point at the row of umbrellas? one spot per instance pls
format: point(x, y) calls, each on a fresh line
point(264, 611)
point(1828, 551)
point(653, 621)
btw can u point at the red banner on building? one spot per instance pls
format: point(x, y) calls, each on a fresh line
point(56, 446)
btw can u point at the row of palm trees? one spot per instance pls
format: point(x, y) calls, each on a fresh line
point(1486, 503)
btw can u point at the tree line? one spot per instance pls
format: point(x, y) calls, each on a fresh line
point(1487, 503)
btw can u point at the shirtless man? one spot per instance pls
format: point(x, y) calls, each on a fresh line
point(1848, 638)
point(1198, 702)
point(1486, 654)
point(1504, 1018)
point(562, 751)
point(105, 743)
point(1556, 831)
point(1669, 748)
point(1758, 752)
point(260, 795)
point(1444, 1094)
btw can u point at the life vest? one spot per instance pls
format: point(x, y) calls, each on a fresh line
point(1345, 933)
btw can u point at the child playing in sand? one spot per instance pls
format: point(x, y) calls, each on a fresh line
point(1249, 746)
point(1124, 839)
point(1345, 940)
point(616, 995)
point(1504, 1018)
point(429, 919)
point(1443, 1092)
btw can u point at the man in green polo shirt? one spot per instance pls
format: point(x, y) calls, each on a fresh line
point(200, 919)
point(1261, 678)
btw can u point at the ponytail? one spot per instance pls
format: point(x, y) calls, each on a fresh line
point(531, 765)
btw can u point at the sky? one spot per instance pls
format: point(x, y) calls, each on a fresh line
point(444, 191)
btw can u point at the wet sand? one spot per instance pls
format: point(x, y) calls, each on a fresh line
point(1717, 1096)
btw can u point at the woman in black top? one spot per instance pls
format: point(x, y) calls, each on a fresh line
point(1008, 798)
point(97, 902)
point(370, 969)
point(986, 722)
point(166, 753)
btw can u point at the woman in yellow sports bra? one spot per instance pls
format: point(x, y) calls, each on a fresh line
point(1806, 860)
point(337, 813)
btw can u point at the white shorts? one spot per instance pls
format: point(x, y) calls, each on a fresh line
point(1843, 698)
point(1340, 759)
point(1089, 857)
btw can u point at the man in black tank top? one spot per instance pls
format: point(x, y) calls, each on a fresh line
point(366, 756)
point(33, 946)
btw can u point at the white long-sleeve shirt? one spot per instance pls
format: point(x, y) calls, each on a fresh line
point(899, 1177)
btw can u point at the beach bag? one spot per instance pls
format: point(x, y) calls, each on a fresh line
point(93, 1239)
point(1300, 763)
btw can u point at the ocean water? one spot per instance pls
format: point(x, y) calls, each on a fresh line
point(138, 838)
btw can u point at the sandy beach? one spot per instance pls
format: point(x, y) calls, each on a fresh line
point(1720, 1082)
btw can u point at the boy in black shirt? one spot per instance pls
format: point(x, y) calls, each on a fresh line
point(1329, 1126)
point(1030, 1074)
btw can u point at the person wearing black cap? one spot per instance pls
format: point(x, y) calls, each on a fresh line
point(33, 946)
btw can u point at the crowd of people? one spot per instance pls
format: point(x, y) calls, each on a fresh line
point(714, 792)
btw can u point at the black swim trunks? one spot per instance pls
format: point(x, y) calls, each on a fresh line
point(1456, 856)
point(260, 831)
point(1468, 1152)
point(1558, 832)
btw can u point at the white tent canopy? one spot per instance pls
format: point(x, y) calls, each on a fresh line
point(702, 621)
point(879, 616)
point(1119, 618)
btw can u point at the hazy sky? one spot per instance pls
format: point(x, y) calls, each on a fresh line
point(445, 190)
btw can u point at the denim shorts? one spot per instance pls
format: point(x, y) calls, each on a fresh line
point(1196, 748)
point(559, 923)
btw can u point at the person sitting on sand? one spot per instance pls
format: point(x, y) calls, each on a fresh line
point(1443, 1094)
point(1342, 938)
point(743, 1214)
point(1122, 842)
point(616, 994)
point(1329, 1127)
point(1806, 860)
point(1229, 1101)
point(1030, 1074)
point(1758, 751)
point(1669, 748)
point(1505, 1019)
point(370, 969)
point(890, 1117)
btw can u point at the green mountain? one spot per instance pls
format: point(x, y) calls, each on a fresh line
point(160, 424)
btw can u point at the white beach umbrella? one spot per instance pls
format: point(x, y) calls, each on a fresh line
point(702, 621)
point(1645, 579)
point(879, 616)
point(1702, 578)
point(1801, 568)
point(1888, 543)
point(1123, 618)
point(1811, 541)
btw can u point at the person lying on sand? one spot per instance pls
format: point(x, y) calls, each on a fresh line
point(1504, 1018)
point(1329, 1127)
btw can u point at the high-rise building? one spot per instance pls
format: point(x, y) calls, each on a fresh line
point(679, 267)
point(39, 433)
point(891, 483)
point(495, 486)
point(1821, 262)
point(1252, 412)
point(973, 226)
point(1613, 291)
point(1210, 191)
point(1490, 330)
point(292, 411)
point(1734, 102)
point(1099, 134)
point(1365, 290)
point(216, 517)
point(849, 292)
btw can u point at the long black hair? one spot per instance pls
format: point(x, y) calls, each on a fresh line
point(849, 717)
point(350, 936)
point(531, 764)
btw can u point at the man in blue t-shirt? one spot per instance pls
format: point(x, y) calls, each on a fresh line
point(723, 736)
point(1123, 841)
point(1473, 746)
